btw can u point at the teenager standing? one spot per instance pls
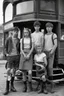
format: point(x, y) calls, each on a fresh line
point(12, 48)
point(26, 60)
point(37, 36)
point(50, 47)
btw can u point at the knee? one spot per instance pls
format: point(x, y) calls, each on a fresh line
point(30, 72)
point(43, 78)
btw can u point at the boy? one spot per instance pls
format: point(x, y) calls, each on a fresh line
point(37, 36)
point(12, 48)
point(41, 63)
point(50, 47)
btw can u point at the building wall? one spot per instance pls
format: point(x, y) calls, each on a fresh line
point(1, 41)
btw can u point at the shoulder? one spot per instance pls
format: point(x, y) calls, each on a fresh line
point(43, 54)
point(35, 56)
point(32, 33)
point(54, 36)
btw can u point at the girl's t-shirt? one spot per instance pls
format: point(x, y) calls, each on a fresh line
point(48, 41)
point(39, 57)
point(26, 43)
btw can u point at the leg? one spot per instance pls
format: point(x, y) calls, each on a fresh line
point(7, 82)
point(41, 87)
point(30, 80)
point(12, 80)
point(24, 81)
point(50, 71)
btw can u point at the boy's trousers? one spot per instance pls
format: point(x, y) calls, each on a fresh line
point(50, 65)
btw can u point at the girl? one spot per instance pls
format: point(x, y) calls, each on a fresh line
point(41, 63)
point(26, 58)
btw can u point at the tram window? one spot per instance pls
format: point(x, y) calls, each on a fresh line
point(62, 35)
point(62, 32)
point(24, 7)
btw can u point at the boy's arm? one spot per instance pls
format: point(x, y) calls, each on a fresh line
point(31, 50)
point(55, 44)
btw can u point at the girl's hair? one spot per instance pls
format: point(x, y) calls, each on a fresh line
point(29, 30)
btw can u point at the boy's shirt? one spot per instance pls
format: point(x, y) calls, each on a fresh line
point(37, 38)
point(48, 41)
point(39, 57)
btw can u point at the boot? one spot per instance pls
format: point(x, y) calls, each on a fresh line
point(37, 86)
point(12, 85)
point(41, 87)
point(25, 86)
point(44, 88)
point(7, 88)
point(30, 86)
point(52, 87)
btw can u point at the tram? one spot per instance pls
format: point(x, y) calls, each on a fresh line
point(23, 13)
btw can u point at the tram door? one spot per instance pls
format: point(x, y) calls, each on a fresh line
point(29, 24)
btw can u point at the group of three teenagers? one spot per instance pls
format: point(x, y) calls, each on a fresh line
point(26, 46)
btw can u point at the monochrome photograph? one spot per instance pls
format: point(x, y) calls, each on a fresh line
point(31, 47)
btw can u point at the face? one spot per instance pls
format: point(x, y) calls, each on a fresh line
point(39, 49)
point(26, 33)
point(49, 29)
point(37, 27)
point(10, 34)
point(15, 33)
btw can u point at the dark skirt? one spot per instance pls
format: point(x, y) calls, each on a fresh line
point(25, 64)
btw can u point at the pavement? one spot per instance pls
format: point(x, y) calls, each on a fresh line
point(59, 89)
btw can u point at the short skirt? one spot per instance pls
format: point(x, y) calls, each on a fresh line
point(25, 64)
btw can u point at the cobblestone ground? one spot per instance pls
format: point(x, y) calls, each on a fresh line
point(19, 85)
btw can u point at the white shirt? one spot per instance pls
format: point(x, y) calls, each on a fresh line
point(48, 41)
point(37, 38)
point(39, 57)
point(26, 43)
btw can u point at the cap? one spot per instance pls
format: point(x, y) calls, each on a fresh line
point(37, 23)
point(49, 24)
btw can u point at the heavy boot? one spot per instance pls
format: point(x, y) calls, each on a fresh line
point(30, 86)
point(25, 86)
point(52, 87)
point(37, 86)
point(41, 87)
point(7, 88)
point(44, 88)
point(12, 85)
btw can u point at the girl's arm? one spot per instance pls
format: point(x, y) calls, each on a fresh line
point(31, 50)
point(22, 49)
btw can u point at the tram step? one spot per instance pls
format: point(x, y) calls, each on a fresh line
point(57, 70)
point(58, 74)
point(58, 80)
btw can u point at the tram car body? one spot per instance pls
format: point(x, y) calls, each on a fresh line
point(23, 13)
